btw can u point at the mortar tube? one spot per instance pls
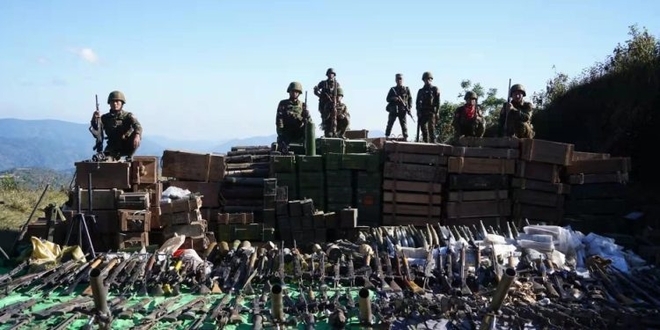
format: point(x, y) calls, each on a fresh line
point(100, 295)
point(277, 306)
point(365, 307)
point(310, 139)
point(498, 298)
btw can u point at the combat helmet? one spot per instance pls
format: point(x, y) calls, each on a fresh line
point(116, 95)
point(518, 87)
point(427, 75)
point(470, 95)
point(294, 86)
point(329, 71)
point(340, 91)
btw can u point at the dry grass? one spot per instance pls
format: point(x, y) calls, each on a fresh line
point(18, 203)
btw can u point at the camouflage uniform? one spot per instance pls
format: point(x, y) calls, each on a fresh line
point(518, 123)
point(291, 118)
point(120, 128)
point(398, 108)
point(428, 107)
point(343, 117)
point(325, 90)
point(468, 118)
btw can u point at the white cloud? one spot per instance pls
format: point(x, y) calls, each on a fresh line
point(87, 54)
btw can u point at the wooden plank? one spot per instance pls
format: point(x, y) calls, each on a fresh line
point(105, 175)
point(577, 179)
point(478, 181)
point(489, 142)
point(557, 188)
point(540, 198)
point(486, 152)
point(412, 186)
point(539, 171)
point(411, 198)
point(598, 166)
point(411, 209)
point(481, 165)
point(414, 172)
point(424, 159)
point(244, 166)
point(405, 220)
point(479, 195)
point(479, 209)
point(546, 151)
point(580, 155)
point(417, 148)
point(193, 166)
point(144, 169)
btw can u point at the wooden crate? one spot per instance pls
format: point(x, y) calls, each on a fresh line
point(477, 195)
point(192, 166)
point(144, 169)
point(404, 220)
point(128, 240)
point(235, 218)
point(481, 165)
point(194, 229)
point(179, 218)
point(485, 152)
point(412, 158)
point(417, 148)
point(543, 151)
point(595, 206)
point(133, 220)
point(134, 200)
point(495, 208)
point(412, 209)
point(411, 198)
point(191, 203)
point(210, 191)
point(155, 191)
point(600, 166)
point(534, 213)
point(539, 171)
point(357, 134)
point(415, 172)
point(577, 179)
point(598, 191)
point(102, 199)
point(580, 155)
point(489, 142)
point(105, 175)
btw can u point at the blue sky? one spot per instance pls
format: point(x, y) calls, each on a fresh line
point(217, 69)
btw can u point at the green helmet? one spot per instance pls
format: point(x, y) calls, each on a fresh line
point(294, 86)
point(116, 95)
point(340, 92)
point(470, 95)
point(329, 71)
point(518, 87)
point(427, 75)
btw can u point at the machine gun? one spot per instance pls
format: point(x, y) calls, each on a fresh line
point(96, 128)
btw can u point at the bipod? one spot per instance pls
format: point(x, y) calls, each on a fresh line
point(80, 219)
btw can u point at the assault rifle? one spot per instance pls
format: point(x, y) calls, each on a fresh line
point(503, 130)
point(96, 128)
point(405, 106)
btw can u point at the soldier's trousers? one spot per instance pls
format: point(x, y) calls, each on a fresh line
point(342, 126)
point(426, 122)
point(393, 115)
point(521, 130)
point(120, 148)
point(473, 128)
point(328, 124)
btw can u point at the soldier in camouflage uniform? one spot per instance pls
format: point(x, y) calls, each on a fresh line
point(343, 117)
point(326, 90)
point(399, 103)
point(292, 115)
point(122, 129)
point(468, 118)
point(515, 117)
point(428, 107)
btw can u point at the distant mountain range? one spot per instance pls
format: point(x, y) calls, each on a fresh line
point(57, 145)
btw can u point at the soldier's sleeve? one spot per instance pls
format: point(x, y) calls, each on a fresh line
point(501, 120)
point(390, 96)
point(409, 98)
point(526, 112)
point(457, 114)
point(418, 100)
point(135, 124)
point(279, 119)
point(436, 97)
point(318, 88)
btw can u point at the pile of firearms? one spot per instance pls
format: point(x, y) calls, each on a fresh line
point(392, 277)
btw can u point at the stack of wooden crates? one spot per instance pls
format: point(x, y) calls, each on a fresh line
point(413, 176)
point(480, 172)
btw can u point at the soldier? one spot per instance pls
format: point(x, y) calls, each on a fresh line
point(428, 106)
point(326, 90)
point(399, 103)
point(468, 118)
point(343, 117)
point(292, 115)
point(122, 128)
point(515, 117)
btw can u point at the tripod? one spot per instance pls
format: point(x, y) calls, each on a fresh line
point(80, 219)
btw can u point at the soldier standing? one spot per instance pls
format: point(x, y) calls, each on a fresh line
point(343, 117)
point(326, 92)
point(122, 128)
point(515, 116)
point(399, 103)
point(292, 115)
point(428, 106)
point(468, 118)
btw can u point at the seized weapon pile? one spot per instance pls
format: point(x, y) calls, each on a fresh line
point(391, 278)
